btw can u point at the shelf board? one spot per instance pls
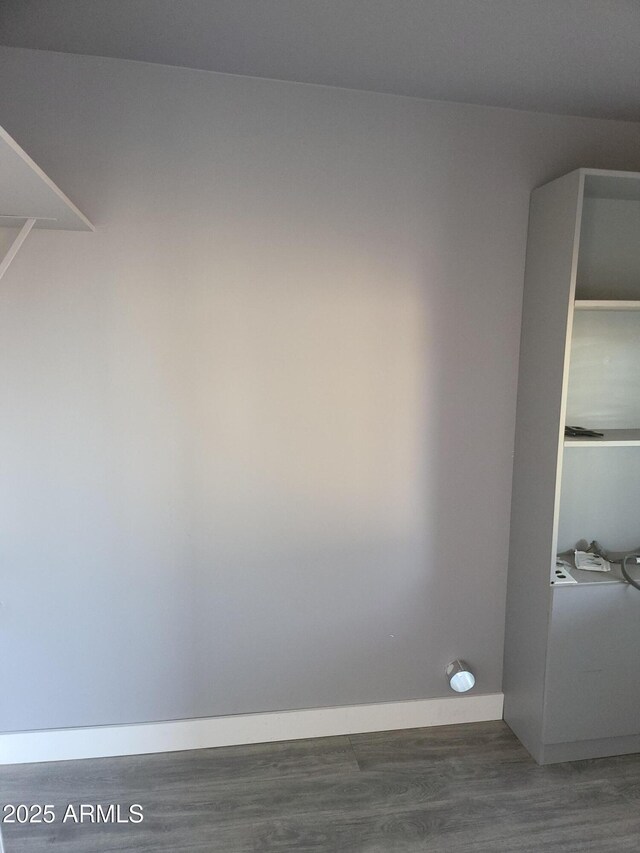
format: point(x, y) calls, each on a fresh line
point(607, 304)
point(611, 438)
point(26, 192)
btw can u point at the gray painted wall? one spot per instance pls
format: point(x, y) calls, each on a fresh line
point(600, 498)
point(257, 431)
point(604, 372)
point(609, 249)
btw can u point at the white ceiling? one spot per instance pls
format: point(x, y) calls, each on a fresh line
point(579, 57)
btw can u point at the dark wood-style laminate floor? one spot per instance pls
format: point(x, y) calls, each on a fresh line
point(450, 789)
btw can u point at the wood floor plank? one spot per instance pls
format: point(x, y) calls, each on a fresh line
point(453, 789)
point(254, 761)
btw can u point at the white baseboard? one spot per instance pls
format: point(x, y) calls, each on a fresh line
point(102, 741)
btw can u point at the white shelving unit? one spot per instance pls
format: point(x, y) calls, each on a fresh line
point(569, 692)
point(30, 199)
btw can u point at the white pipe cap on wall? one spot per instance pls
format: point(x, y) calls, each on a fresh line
point(460, 676)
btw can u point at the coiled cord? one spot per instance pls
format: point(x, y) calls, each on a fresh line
point(625, 573)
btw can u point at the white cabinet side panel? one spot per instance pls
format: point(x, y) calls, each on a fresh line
point(548, 293)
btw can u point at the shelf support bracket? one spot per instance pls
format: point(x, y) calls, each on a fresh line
point(12, 251)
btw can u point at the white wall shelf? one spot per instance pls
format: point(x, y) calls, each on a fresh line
point(607, 304)
point(611, 438)
point(26, 192)
point(30, 199)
